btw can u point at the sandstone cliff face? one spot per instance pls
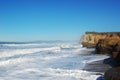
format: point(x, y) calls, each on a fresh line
point(108, 45)
point(90, 39)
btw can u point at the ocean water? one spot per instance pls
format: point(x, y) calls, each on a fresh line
point(56, 60)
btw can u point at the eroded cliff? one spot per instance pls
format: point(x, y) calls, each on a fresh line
point(106, 43)
point(90, 39)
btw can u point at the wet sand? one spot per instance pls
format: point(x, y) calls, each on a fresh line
point(97, 66)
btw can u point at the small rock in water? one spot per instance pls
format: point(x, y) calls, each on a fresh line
point(100, 78)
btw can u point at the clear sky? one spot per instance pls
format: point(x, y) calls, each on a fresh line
point(29, 20)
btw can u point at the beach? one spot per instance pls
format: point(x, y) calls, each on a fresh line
point(97, 66)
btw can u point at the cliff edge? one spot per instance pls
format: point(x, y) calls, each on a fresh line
point(90, 39)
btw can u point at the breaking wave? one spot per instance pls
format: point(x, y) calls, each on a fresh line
point(45, 61)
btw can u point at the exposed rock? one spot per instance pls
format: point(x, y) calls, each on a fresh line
point(97, 66)
point(90, 39)
point(110, 46)
point(112, 74)
point(111, 62)
point(106, 43)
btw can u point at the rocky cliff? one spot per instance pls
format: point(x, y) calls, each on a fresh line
point(90, 39)
point(106, 43)
point(110, 46)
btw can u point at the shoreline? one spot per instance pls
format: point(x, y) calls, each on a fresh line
point(97, 66)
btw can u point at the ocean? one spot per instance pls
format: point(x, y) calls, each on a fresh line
point(46, 60)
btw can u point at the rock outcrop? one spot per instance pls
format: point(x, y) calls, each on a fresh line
point(110, 46)
point(106, 43)
point(90, 39)
point(112, 74)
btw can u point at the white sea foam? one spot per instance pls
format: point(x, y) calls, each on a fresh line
point(20, 45)
point(45, 61)
point(70, 46)
point(12, 62)
point(9, 53)
point(79, 74)
point(80, 50)
point(53, 57)
point(49, 72)
point(96, 58)
point(25, 45)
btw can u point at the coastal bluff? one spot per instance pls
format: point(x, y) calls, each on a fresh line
point(110, 46)
point(90, 39)
point(105, 43)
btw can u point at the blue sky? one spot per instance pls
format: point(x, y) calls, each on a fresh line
point(29, 20)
